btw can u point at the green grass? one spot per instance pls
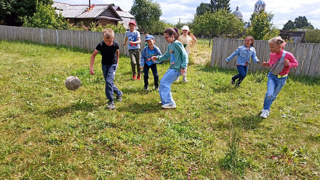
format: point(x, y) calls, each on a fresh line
point(48, 132)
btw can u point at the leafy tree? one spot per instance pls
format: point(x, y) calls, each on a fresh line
point(217, 24)
point(146, 13)
point(204, 7)
point(12, 12)
point(261, 27)
point(289, 25)
point(220, 4)
point(302, 22)
point(45, 17)
point(312, 36)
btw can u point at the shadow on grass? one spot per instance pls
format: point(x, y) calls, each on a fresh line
point(141, 108)
point(77, 106)
point(247, 122)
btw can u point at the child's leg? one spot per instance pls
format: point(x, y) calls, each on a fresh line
point(280, 82)
point(146, 74)
point(133, 60)
point(108, 74)
point(138, 55)
point(270, 91)
point(165, 86)
point(155, 75)
point(115, 89)
point(242, 72)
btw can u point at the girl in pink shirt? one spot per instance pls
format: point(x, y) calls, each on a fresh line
point(276, 82)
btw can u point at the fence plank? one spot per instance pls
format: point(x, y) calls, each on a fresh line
point(300, 58)
point(315, 63)
point(307, 60)
point(213, 52)
point(224, 54)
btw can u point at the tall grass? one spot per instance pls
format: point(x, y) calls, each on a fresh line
point(48, 132)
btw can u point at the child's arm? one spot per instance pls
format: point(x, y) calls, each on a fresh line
point(125, 41)
point(136, 42)
point(143, 58)
point(254, 57)
point(233, 55)
point(93, 56)
point(164, 57)
point(183, 52)
point(118, 55)
point(291, 61)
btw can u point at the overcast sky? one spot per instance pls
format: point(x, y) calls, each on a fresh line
point(173, 10)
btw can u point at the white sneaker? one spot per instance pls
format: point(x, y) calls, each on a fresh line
point(185, 79)
point(265, 113)
point(168, 106)
point(177, 80)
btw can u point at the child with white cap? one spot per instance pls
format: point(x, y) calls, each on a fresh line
point(186, 40)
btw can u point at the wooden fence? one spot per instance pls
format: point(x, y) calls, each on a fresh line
point(307, 55)
point(78, 39)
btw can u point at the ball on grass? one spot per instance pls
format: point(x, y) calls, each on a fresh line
point(73, 83)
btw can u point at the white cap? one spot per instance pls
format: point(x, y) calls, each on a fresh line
point(185, 28)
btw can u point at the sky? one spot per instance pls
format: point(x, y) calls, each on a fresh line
point(174, 11)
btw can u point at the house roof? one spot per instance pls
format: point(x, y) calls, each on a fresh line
point(125, 14)
point(99, 11)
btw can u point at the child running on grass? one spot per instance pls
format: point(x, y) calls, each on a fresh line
point(134, 49)
point(178, 60)
point(280, 62)
point(244, 53)
point(145, 63)
point(109, 50)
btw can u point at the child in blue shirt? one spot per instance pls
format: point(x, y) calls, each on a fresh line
point(145, 63)
point(244, 53)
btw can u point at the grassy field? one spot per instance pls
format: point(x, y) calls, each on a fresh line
point(48, 132)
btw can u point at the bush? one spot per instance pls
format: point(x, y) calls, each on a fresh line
point(313, 36)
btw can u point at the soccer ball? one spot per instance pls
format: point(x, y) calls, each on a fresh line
point(73, 83)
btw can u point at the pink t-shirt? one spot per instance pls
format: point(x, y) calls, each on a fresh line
point(274, 57)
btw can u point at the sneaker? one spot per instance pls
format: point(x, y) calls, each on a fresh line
point(111, 105)
point(239, 81)
point(168, 106)
point(232, 81)
point(156, 88)
point(119, 96)
point(134, 76)
point(160, 102)
point(265, 113)
point(139, 76)
point(185, 79)
point(177, 80)
point(146, 88)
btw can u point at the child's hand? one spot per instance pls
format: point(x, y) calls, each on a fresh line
point(124, 44)
point(92, 71)
point(286, 62)
point(265, 64)
point(258, 62)
point(154, 58)
point(149, 59)
point(227, 62)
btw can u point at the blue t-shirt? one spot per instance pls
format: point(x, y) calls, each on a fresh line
point(133, 36)
point(150, 54)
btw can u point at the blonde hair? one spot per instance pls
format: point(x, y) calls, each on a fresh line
point(108, 33)
point(277, 40)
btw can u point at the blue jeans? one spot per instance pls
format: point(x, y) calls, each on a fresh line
point(273, 88)
point(154, 72)
point(109, 72)
point(242, 72)
point(165, 86)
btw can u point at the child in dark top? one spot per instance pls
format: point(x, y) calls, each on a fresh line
point(109, 50)
point(145, 63)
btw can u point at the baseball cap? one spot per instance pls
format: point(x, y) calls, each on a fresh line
point(149, 37)
point(132, 22)
point(185, 28)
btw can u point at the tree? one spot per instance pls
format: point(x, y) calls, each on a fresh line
point(217, 24)
point(261, 27)
point(220, 4)
point(312, 36)
point(12, 12)
point(289, 25)
point(302, 22)
point(204, 7)
point(45, 17)
point(146, 13)
point(213, 6)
